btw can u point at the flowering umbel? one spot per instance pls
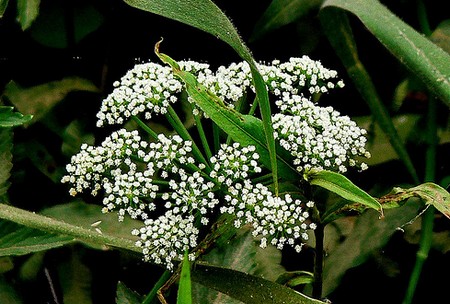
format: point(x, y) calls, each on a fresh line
point(165, 181)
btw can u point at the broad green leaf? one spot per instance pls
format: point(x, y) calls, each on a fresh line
point(240, 253)
point(206, 16)
point(423, 58)
point(91, 217)
point(245, 129)
point(184, 295)
point(369, 234)
point(124, 295)
point(9, 119)
point(282, 12)
point(27, 12)
point(40, 99)
point(342, 186)
point(5, 161)
point(430, 193)
point(89, 235)
point(3, 6)
point(337, 28)
point(19, 240)
point(247, 288)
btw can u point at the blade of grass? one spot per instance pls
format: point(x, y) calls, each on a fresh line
point(337, 27)
point(423, 58)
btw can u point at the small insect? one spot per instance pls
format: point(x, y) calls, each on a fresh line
point(95, 225)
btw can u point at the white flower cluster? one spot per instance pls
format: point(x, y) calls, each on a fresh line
point(277, 220)
point(318, 137)
point(299, 73)
point(163, 179)
point(111, 167)
point(167, 238)
point(149, 88)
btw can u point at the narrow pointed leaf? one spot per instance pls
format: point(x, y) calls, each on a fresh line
point(19, 240)
point(337, 27)
point(184, 295)
point(423, 58)
point(247, 288)
point(343, 187)
point(206, 16)
point(3, 6)
point(245, 129)
point(430, 193)
point(27, 12)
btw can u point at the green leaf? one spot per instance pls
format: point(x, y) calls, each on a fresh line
point(27, 12)
point(3, 6)
point(8, 118)
point(336, 25)
point(184, 295)
point(206, 16)
point(295, 278)
point(245, 129)
point(124, 295)
point(91, 217)
point(247, 288)
point(369, 234)
point(430, 193)
point(40, 99)
point(282, 12)
point(423, 58)
point(241, 253)
point(342, 186)
point(19, 240)
point(89, 235)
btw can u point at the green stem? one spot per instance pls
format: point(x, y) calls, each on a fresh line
point(201, 132)
point(179, 127)
point(428, 217)
point(145, 127)
point(318, 262)
point(153, 293)
point(216, 137)
point(51, 225)
point(430, 174)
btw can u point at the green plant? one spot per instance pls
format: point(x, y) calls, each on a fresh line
point(244, 151)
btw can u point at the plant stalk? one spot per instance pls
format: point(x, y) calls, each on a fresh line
point(51, 225)
point(428, 217)
point(318, 262)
